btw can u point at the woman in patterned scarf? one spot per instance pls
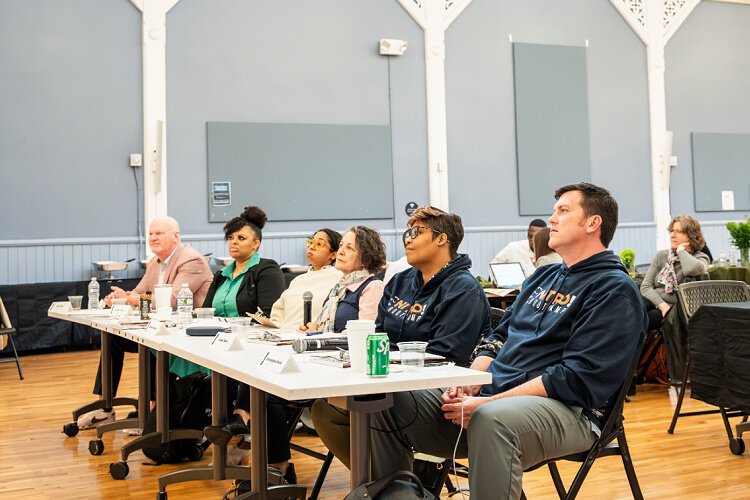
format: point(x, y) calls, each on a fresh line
point(361, 255)
point(683, 262)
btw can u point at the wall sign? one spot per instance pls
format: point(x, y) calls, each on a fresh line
point(221, 194)
point(410, 208)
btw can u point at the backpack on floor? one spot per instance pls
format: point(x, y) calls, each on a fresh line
point(399, 485)
point(189, 408)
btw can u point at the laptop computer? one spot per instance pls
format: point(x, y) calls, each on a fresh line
point(507, 275)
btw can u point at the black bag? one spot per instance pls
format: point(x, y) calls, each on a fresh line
point(189, 408)
point(399, 485)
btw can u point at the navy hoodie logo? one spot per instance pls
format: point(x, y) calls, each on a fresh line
point(404, 310)
point(550, 300)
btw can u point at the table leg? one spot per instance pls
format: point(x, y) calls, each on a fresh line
point(258, 444)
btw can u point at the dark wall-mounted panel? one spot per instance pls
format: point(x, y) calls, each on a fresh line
point(302, 171)
point(552, 122)
point(721, 162)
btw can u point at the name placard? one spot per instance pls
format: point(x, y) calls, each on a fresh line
point(60, 307)
point(120, 310)
point(156, 328)
point(278, 361)
point(226, 342)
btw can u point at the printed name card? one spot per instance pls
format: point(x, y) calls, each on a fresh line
point(120, 310)
point(226, 342)
point(60, 307)
point(278, 361)
point(156, 328)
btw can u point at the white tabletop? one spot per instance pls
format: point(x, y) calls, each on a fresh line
point(311, 380)
point(308, 381)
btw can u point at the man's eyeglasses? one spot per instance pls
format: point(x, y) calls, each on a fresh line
point(316, 243)
point(415, 231)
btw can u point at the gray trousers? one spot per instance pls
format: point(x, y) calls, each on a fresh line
point(504, 437)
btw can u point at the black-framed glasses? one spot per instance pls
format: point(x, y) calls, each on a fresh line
point(316, 243)
point(415, 231)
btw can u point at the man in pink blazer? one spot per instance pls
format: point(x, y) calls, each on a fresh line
point(173, 263)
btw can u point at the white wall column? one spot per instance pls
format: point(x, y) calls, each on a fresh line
point(654, 22)
point(434, 17)
point(154, 38)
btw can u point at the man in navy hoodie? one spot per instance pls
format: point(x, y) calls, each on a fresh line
point(566, 345)
point(436, 301)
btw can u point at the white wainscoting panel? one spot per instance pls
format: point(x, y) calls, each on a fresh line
point(71, 259)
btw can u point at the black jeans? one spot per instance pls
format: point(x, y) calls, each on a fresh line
point(277, 432)
point(118, 346)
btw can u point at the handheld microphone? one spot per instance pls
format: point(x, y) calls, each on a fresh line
point(307, 307)
point(302, 345)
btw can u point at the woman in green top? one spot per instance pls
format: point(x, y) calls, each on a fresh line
point(246, 284)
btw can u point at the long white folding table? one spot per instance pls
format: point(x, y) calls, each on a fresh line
point(360, 394)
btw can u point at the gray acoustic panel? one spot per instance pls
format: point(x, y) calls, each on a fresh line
point(302, 171)
point(552, 122)
point(721, 162)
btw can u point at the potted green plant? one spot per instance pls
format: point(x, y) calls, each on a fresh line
point(627, 257)
point(740, 236)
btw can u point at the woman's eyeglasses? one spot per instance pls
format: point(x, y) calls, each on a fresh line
point(676, 231)
point(415, 231)
point(316, 243)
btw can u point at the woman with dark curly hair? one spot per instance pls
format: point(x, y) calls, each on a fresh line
point(683, 262)
point(246, 285)
point(356, 295)
point(250, 282)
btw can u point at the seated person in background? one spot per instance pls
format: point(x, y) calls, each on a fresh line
point(394, 268)
point(437, 301)
point(245, 285)
point(543, 254)
point(173, 263)
point(356, 295)
point(521, 251)
point(560, 363)
point(288, 312)
point(680, 264)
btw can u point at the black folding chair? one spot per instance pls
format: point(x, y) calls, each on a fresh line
point(611, 442)
point(7, 331)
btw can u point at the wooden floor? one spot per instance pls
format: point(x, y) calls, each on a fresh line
point(38, 461)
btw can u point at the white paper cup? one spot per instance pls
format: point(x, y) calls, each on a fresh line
point(412, 355)
point(162, 296)
point(356, 332)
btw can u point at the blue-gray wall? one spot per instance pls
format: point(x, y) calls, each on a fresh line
point(71, 98)
point(708, 90)
point(70, 114)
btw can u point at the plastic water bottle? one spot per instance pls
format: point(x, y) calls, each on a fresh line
point(185, 304)
point(722, 259)
point(733, 256)
point(93, 294)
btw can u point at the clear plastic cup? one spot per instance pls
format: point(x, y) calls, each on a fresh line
point(204, 312)
point(412, 355)
point(75, 301)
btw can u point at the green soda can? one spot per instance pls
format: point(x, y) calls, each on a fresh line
point(378, 354)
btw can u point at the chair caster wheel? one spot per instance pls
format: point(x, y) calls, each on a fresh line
point(119, 470)
point(737, 446)
point(96, 447)
point(161, 495)
point(70, 429)
point(195, 453)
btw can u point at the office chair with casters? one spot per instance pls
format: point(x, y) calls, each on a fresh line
point(691, 296)
point(6, 337)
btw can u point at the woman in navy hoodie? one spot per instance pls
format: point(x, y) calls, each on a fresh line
point(437, 301)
